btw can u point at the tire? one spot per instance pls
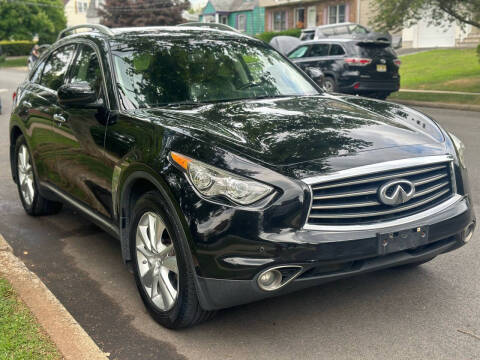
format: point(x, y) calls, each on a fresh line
point(171, 298)
point(381, 95)
point(28, 190)
point(329, 84)
point(414, 264)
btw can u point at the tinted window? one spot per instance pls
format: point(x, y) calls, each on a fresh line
point(56, 67)
point(357, 29)
point(86, 68)
point(319, 50)
point(374, 50)
point(336, 50)
point(307, 35)
point(153, 72)
point(298, 53)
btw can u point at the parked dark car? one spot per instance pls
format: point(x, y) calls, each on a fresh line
point(351, 31)
point(351, 66)
point(226, 173)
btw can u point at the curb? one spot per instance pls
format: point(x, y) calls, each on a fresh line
point(69, 337)
point(438, 105)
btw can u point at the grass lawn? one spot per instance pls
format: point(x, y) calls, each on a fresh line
point(20, 335)
point(450, 69)
point(14, 62)
point(443, 98)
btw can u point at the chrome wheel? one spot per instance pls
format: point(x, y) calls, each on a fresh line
point(329, 86)
point(157, 261)
point(25, 175)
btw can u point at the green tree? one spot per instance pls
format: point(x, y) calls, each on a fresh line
point(393, 15)
point(23, 19)
point(118, 13)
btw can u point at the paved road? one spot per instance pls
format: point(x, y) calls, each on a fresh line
point(391, 314)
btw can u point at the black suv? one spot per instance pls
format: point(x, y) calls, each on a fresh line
point(225, 172)
point(362, 67)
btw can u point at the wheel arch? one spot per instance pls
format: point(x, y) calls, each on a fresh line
point(15, 133)
point(133, 186)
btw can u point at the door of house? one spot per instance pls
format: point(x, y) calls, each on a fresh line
point(312, 16)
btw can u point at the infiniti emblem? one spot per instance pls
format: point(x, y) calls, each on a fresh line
point(396, 192)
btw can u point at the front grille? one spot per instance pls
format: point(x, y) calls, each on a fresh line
point(354, 200)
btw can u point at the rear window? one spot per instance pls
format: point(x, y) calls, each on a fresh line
point(336, 50)
point(307, 35)
point(373, 50)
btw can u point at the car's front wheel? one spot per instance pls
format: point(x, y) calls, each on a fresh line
point(159, 252)
point(33, 202)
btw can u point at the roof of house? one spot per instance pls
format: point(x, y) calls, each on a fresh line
point(233, 5)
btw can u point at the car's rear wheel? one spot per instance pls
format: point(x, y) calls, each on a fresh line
point(160, 256)
point(381, 95)
point(33, 202)
point(329, 84)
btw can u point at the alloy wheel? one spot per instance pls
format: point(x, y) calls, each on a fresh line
point(25, 175)
point(329, 87)
point(157, 261)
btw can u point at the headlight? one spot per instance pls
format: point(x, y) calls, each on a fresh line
point(211, 181)
point(460, 147)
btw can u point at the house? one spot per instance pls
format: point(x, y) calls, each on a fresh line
point(80, 12)
point(245, 15)
point(426, 35)
point(289, 14)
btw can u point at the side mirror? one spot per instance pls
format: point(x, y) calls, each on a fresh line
point(316, 74)
point(77, 94)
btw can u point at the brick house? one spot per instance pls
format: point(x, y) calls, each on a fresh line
point(289, 14)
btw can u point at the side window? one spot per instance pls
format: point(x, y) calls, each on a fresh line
point(336, 50)
point(86, 68)
point(319, 50)
point(35, 77)
point(56, 67)
point(298, 53)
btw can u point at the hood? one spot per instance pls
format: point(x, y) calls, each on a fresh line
point(291, 130)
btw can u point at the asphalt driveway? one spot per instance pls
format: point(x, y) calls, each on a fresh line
point(423, 313)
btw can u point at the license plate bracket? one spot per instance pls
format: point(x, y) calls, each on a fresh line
point(402, 240)
point(381, 68)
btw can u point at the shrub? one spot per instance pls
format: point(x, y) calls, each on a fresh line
point(269, 35)
point(478, 52)
point(17, 47)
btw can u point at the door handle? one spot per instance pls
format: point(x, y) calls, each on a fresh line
point(59, 118)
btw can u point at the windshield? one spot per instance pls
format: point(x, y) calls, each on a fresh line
point(156, 72)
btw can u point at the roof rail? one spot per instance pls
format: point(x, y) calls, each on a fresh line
point(100, 28)
point(210, 25)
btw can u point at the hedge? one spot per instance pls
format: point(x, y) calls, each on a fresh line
point(16, 48)
point(269, 35)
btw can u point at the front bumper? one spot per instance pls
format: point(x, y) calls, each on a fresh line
point(326, 256)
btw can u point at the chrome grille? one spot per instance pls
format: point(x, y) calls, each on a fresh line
point(354, 200)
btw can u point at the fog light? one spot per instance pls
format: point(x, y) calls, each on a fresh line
point(468, 233)
point(270, 280)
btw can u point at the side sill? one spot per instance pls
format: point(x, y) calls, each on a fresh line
point(96, 218)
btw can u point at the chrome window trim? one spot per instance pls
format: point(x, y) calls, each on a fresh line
point(379, 167)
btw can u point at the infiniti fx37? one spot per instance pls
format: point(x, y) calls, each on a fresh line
point(225, 172)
